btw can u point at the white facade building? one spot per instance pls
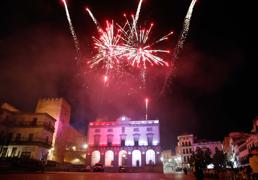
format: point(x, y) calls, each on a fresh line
point(123, 142)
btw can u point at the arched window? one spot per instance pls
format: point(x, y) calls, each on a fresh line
point(95, 157)
point(136, 158)
point(122, 158)
point(109, 158)
point(150, 156)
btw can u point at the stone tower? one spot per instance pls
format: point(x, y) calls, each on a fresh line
point(59, 109)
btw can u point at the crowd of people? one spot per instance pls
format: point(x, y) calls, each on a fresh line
point(248, 172)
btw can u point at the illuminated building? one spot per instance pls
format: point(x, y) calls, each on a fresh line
point(48, 128)
point(25, 135)
point(76, 146)
point(123, 142)
point(187, 144)
point(59, 109)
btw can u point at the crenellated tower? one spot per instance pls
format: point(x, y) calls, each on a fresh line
point(59, 109)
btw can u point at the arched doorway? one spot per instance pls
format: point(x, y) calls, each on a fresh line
point(95, 157)
point(136, 158)
point(122, 158)
point(109, 158)
point(150, 156)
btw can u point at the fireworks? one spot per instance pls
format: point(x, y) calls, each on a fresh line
point(106, 45)
point(120, 46)
point(127, 43)
point(180, 43)
point(76, 42)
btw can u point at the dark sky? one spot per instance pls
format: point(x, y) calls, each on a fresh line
point(213, 90)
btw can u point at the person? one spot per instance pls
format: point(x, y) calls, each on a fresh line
point(198, 169)
point(253, 162)
point(185, 170)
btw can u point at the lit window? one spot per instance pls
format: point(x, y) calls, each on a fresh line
point(149, 129)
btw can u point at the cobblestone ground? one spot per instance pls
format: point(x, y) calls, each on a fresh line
point(93, 176)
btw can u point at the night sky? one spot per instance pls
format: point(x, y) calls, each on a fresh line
point(213, 90)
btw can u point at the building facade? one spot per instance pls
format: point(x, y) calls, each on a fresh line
point(75, 150)
point(25, 135)
point(237, 145)
point(124, 143)
point(188, 143)
point(46, 131)
point(60, 110)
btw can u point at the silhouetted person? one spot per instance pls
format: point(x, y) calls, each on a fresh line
point(198, 169)
point(185, 170)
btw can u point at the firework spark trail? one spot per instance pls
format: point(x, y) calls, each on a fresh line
point(180, 44)
point(185, 30)
point(137, 15)
point(146, 108)
point(76, 42)
point(93, 18)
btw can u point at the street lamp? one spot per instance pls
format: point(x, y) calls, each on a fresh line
point(85, 146)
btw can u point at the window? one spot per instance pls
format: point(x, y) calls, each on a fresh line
point(183, 151)
point(183, 144)
point(110, 130)
point(1, 134)
point(150, 139)
point(136, 129)
point(122, 142)
point(34, 121)
point(186, 151)
point(122, 136)
point(30, 137)
point(13, 153)
point(18, 137)
point(96, 140)
point(4, 152)
point(25, 155)
point(97, 130)
point(136, 139)
point(10, 136)
point(149, 128)
point(109, 139)
point(123, 129)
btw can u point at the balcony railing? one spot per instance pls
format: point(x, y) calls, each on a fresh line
point(30, 124)
point(31, 141)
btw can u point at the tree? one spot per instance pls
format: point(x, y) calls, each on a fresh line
point(219, 159)
point(202, 157)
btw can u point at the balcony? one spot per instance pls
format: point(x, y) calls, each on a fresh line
point(34, 141)
point(29, 124)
